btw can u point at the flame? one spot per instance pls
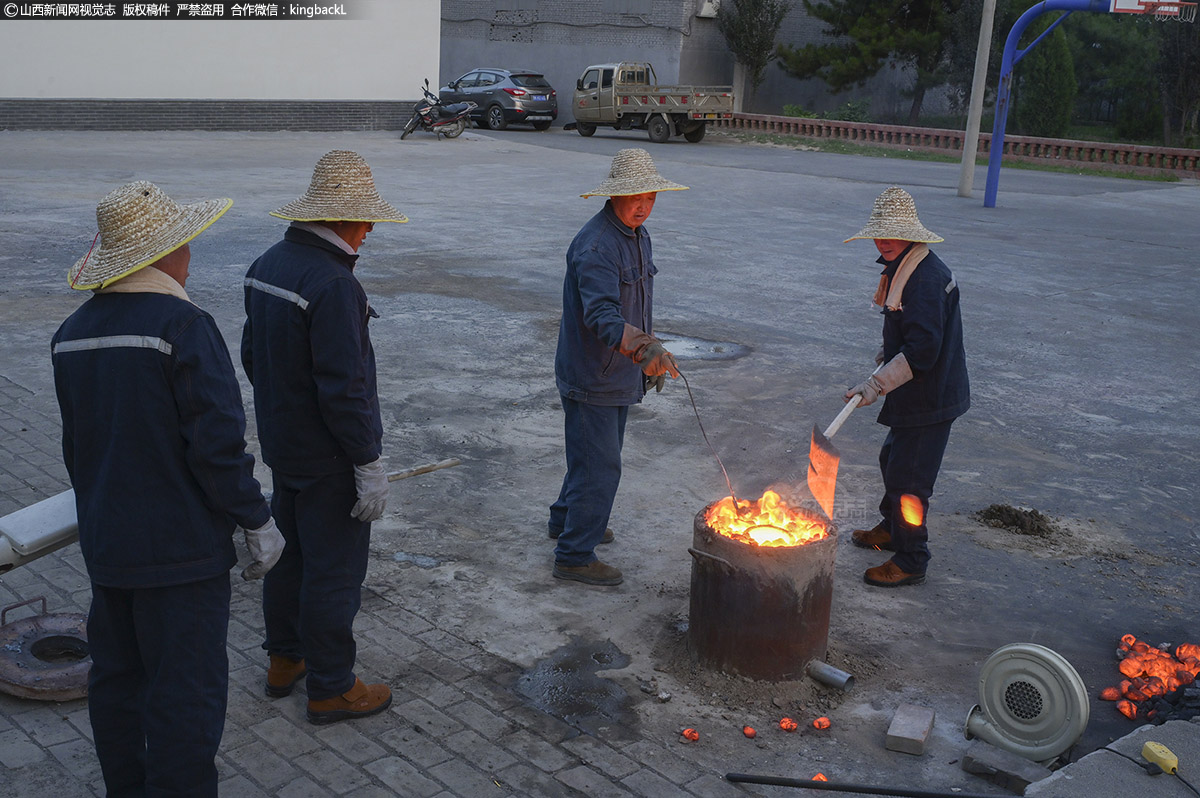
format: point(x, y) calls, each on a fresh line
point(912, 510)
point(1151, 672)
point(766, 522)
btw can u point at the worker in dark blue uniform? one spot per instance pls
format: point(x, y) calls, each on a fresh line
point(154, 443)
point(308, 354)
point(922, 375)
point(607, 355)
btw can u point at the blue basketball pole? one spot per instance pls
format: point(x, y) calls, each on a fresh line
point(1011, 56)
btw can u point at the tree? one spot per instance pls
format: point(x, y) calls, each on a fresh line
point(871, 34)
point(750, 28)
point(1046, 85)
point(1178, 73)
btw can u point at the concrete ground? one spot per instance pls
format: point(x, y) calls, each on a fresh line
point(1078, 297)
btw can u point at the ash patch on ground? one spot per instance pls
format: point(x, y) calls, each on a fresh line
point(1018, 520)
point(733, 697)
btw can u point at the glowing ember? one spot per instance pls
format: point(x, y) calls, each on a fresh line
point(766, 522)
point(911, 509)
point(1151, 672)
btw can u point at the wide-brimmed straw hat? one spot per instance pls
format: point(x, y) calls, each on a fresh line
point(632, 172)
point(342, 190)
point(895, 216)
point(138, 225)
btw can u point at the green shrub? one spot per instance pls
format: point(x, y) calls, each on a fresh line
point(799, 111)
point(1047, 88)
point(852, 111)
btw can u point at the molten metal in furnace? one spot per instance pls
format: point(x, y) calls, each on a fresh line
point(768, 521)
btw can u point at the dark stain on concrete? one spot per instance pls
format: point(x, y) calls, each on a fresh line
point(565, 684)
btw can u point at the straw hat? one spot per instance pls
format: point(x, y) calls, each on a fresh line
point(342, 190)
point(138, 225)
point(895, 216)
point(633, 172)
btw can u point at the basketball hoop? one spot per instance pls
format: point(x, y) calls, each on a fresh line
point(1179, 10)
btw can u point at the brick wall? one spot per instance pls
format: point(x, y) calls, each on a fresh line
point(37, 114)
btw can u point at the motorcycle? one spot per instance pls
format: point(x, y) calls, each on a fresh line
point(443, 120)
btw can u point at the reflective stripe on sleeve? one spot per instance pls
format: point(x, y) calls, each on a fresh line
point(274, 290)
point(114, 342)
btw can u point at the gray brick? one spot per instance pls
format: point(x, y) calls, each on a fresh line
point(666, 763)
point(415, 746)
point(333, 771)
point(263, 765)
point(349, 742)
point(543, 724)
point(713, 786)
point(239, 787)
point(285, 737)
point(17, 750)
point(489, 693)
point(476, 717)
point(479, 751)
point(910, 729)
point(303, 787)
point(427, 718)
point(402, 777)
point(597, 754)
point(524, 780)
point(538, 752)
point(591, 783)
point(79, 759)
point(463, 779)
point(648, 783)
point(47, 728)
point(1002, 768)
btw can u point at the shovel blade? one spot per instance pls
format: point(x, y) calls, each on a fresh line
point(823, 459)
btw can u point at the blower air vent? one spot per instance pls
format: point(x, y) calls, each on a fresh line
point(1031, 702)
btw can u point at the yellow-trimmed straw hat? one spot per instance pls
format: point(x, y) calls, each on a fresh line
point(138, 225)
point(895, 216)
point(632, 172)
point(342, 190)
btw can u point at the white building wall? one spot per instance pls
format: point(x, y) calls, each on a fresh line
point(382, 55)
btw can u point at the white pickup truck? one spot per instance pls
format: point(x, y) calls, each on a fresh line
point(626, 96)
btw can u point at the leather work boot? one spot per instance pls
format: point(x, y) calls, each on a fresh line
point(594, 573)
point(890, 575)
point(360, 701)
point(283, 675)
point(877, 537)
point(608, 535)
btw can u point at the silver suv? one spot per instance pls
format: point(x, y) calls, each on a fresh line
point(504, 96)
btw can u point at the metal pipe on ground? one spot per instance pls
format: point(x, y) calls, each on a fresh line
point(835, 786)
point(826, 674)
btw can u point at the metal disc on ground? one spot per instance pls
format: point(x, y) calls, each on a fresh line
point(45, 657)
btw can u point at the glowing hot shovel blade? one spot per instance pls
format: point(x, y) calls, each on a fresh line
point(823, 459)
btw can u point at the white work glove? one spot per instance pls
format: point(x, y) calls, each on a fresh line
point(371, 484)
point(266, 547)
point(886, 379)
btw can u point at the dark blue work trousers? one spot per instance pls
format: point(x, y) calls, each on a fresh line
point(910, 460)
point(594, 436)
point(312, 594)
point(158, 686)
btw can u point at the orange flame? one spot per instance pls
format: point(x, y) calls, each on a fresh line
point(766, 522)
point(912, 510)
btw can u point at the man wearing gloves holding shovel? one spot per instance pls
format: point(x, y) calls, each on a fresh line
point(306, 350)
point(607, 358)
point(154, 442)
point(922, 373)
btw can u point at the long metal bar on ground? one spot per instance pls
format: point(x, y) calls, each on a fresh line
point(834, 786)
point(425, 469)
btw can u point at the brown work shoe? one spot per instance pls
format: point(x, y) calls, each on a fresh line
point(608, 535)
point(283, 675)
point(360, 701)
point(594, 573)
point(890, 575)
point(877, 537)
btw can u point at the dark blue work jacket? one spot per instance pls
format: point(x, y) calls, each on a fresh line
point(609, 282)
point(306, 350)
point(928, 330)
point(154, 440)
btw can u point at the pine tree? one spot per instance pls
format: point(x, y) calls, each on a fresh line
point(750, 28)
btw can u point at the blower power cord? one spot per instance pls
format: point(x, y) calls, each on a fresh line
point(1159, 760)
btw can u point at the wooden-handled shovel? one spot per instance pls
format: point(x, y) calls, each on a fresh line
point(425, 469)
point(823, 459)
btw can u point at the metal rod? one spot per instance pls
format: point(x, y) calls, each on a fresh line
point(424, 469)
point(696, 410)
point(825, 673)
point(834, 786)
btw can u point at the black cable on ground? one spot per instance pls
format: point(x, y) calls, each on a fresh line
point(833, 786)
point(1152, 769)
